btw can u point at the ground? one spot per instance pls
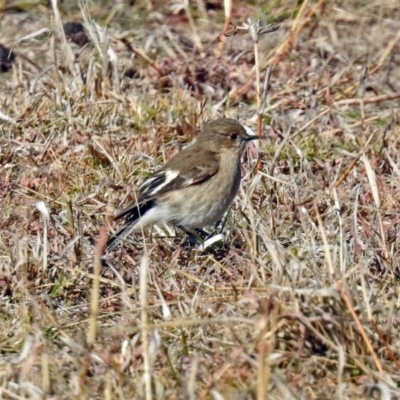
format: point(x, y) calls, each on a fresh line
point(301, 301)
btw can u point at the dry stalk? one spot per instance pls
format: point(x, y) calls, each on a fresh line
point(196, 37)
point(302, 20)
point(181, 324)
point(375, 195)
point(388, 51)
point(145, 331)
point(360, 327)
point(354, 162)
point(95, 295)
point(368, 100)
point(228, 13)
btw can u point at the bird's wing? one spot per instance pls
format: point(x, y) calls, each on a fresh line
point(187, 168)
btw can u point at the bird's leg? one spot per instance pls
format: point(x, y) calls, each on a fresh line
point(195, 236)
point(203, 234)
point(199, 236)
point(222, 222)
point(218, 228)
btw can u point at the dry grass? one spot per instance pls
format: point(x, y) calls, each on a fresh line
point(301, 302)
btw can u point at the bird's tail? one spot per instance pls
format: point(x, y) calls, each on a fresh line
point(131, 215)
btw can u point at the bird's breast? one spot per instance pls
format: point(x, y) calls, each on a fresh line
point(205, 203)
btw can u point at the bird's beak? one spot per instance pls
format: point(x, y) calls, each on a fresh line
point(247, 138)
point(250, 134)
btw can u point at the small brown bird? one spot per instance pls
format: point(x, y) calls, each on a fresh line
point(195, 187)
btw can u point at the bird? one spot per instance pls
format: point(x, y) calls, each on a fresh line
point(194, 188)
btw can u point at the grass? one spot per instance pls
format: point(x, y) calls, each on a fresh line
point(302, 301)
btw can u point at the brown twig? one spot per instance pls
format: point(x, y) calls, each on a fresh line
point(360, 327)
point(368, 100)
point(141, 54)
point(354, 162)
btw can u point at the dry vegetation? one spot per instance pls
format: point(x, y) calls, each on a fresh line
point(300, 302)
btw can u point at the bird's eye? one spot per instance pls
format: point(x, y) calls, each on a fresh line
point(233, 136)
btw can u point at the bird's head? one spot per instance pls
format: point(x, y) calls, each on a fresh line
point(225, 134)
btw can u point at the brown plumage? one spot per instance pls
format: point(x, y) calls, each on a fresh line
point(194, 188)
